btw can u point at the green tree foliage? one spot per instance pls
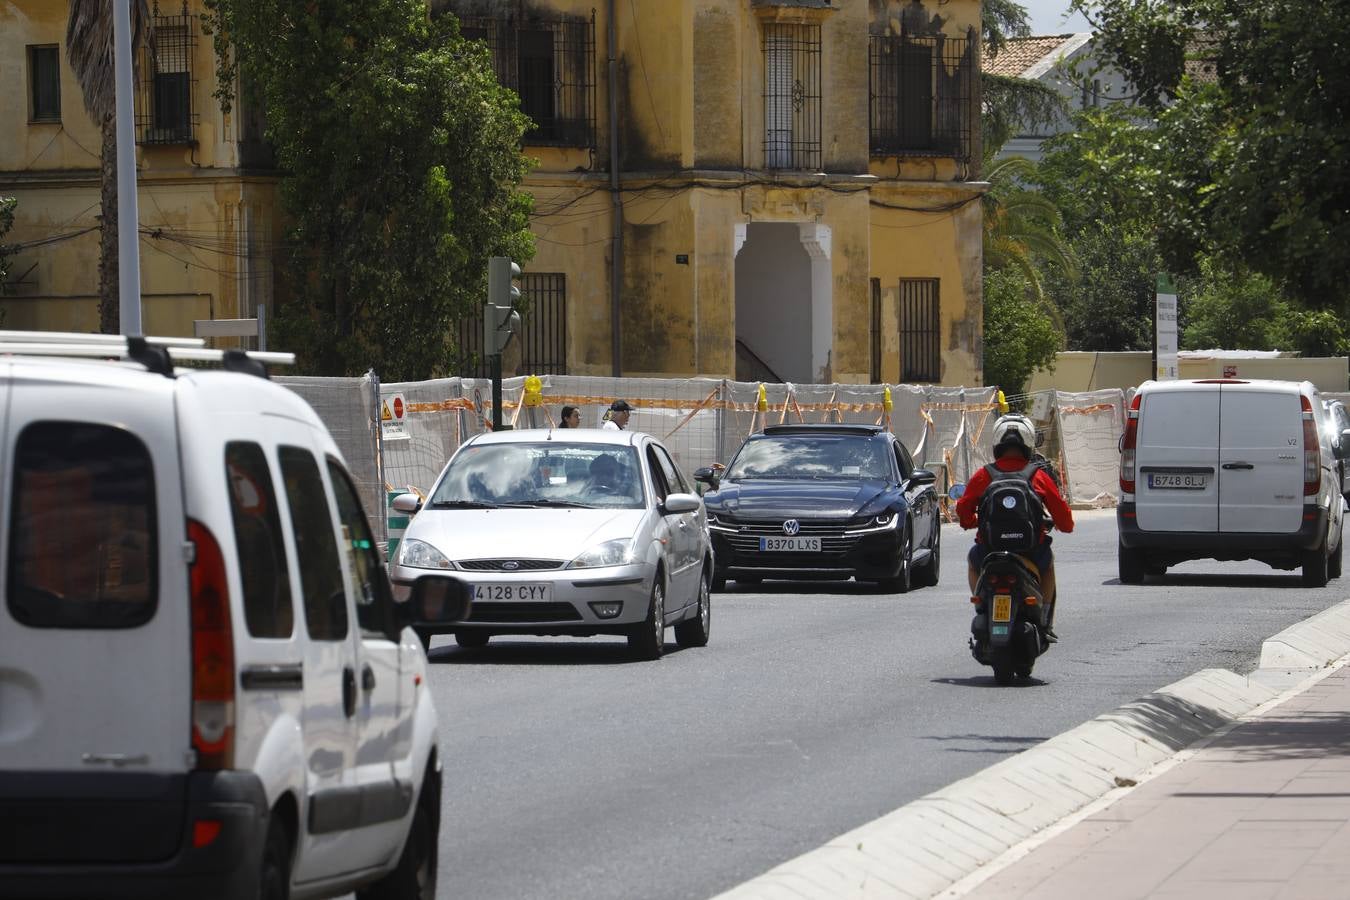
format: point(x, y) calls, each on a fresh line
point(1110, 307)
point(1104, 179)
point(1021, 226)
point(1247, 311)
point(7, 207)
point(1253, 163)
point(1019, 336)
point(401, 171)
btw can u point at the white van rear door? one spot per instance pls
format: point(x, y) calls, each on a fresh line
point(1260, 460)
point(94, 631)
point(1176, 455)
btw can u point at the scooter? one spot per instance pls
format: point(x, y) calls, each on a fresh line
point(1008, 630)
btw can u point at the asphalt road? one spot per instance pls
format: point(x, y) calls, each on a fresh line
point(575, 773)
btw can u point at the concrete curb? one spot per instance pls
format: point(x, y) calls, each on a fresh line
point(928, 845)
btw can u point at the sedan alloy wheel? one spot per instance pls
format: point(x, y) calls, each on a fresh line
point(648, 640)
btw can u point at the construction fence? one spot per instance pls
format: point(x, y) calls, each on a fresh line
point(702, 421)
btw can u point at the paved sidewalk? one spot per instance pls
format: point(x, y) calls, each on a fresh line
point(1261, 810)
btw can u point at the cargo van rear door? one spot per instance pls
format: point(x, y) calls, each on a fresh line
point(1176, 486)
point(94, 631)
point(1260, 460)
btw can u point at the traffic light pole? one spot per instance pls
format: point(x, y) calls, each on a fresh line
point(495, 372)
point(500, 322)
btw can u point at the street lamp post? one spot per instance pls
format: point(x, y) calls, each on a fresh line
point(128, 213)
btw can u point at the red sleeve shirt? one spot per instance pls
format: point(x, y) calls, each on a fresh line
point(967, 508)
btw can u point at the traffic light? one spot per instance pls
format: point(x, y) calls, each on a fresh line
point(500, 319)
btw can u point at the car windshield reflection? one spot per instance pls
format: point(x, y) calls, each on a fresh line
point(542, 475)
point(813, 456)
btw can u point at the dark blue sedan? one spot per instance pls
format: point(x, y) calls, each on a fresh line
point(823, 502)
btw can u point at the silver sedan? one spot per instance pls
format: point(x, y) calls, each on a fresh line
point(565, 532)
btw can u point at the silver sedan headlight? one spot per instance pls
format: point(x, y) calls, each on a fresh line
point(417, 554)
point(617, 552)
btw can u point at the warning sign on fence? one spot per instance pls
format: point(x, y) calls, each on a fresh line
point(392, 410)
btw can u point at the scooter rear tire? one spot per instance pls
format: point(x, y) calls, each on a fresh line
point(1004, 671)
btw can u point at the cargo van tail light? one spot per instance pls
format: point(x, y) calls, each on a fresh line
point(1127, 444)
point(1312, 453)
point(212, 653)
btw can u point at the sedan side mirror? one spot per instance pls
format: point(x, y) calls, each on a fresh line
point(407, 503)
point(437, 600)
point(682, 503)
point(707, 475)
point(921, 477)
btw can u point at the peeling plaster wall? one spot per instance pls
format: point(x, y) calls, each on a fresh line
point(194, 193)
point(690, 94)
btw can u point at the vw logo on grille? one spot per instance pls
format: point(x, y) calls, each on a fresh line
point(791, 527)
point(511, 565)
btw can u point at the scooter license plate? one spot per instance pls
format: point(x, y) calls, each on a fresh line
point(1002, 607)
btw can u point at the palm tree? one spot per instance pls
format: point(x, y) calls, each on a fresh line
point(1021, 228)
point(89, 47)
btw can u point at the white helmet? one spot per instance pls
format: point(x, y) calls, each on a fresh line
point(1014, 430)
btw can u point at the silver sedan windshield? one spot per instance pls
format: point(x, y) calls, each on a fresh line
point(542, 474)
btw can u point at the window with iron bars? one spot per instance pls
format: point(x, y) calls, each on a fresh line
point(164, 113)
point(920, 330)
point(550, 63)
point(543, 330)
point(792, 96)
point(920, 90)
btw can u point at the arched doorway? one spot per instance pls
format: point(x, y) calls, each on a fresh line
point(784, 321)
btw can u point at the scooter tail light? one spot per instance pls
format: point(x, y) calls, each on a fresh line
point(1312, 452)
point(1032, 601)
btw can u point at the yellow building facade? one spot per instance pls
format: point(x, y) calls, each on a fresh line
point(206, 192)
point(796, 195)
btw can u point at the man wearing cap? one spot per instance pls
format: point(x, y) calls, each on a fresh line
point(617, 419)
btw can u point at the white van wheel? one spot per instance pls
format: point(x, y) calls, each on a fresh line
point(1131, 566)
point(1315, 566)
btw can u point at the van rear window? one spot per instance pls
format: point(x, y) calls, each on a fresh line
point(83, 549)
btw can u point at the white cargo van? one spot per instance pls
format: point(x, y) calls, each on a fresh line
point(206, 689)
point(1228, 469)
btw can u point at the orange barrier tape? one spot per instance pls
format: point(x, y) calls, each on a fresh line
point(1087, 410)
point(693, 412)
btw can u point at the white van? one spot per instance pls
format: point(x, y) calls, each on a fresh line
point(1228, 469)
point(206, 689)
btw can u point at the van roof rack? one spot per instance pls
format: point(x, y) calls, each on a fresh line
point(157, 354)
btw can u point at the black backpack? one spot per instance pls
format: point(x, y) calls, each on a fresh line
point(1010, 511)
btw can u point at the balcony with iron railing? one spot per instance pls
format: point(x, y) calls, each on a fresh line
point(921, 90)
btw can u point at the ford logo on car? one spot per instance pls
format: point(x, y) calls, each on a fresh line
point(791, 527)
point(510, 565)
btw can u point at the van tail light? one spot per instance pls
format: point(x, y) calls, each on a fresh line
point(1127, 445)
point(212, 653)
point(1312, 453)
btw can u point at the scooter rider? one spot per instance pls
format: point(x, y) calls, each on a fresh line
point(1014, 443)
